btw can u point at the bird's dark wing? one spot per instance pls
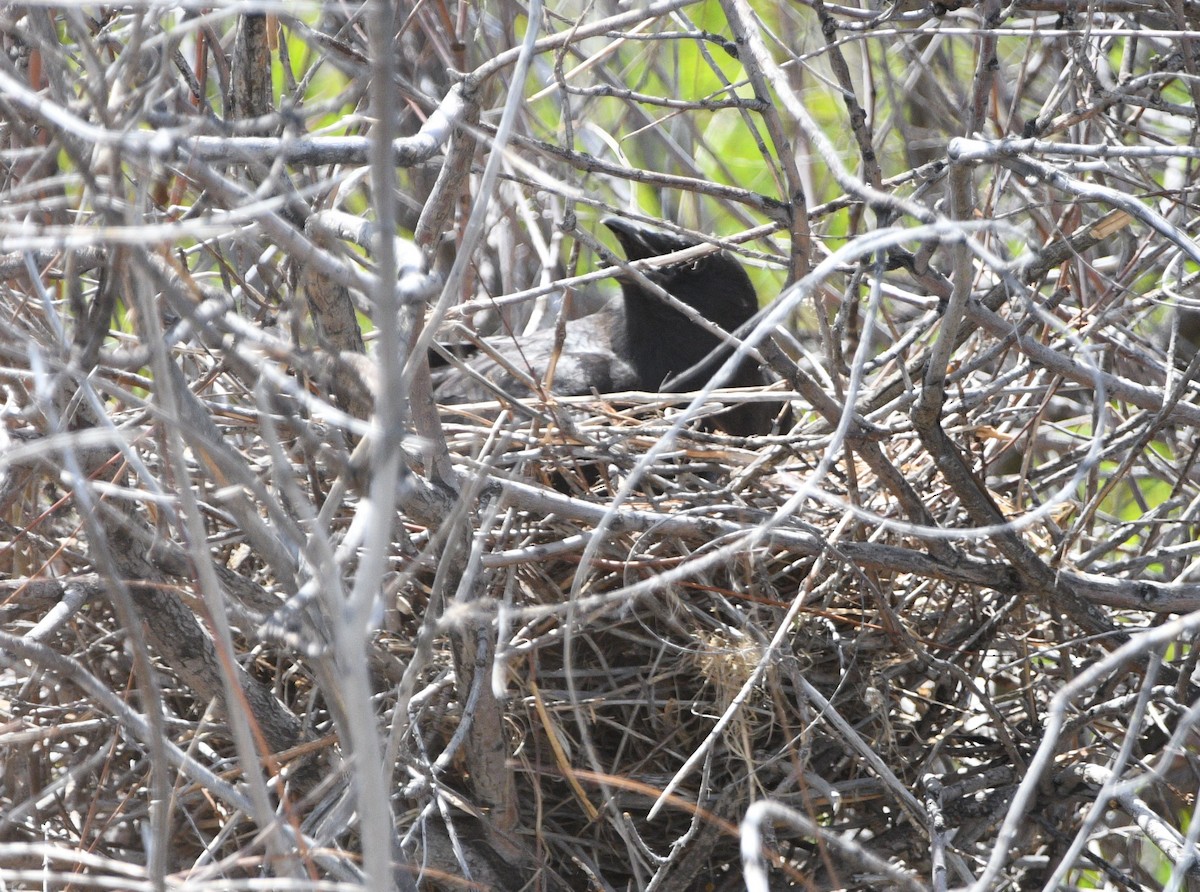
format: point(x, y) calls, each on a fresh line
point(590, 360)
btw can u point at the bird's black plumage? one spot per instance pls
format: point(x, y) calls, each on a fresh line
point(637, 342)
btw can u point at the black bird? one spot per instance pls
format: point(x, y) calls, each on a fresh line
point(638, 342)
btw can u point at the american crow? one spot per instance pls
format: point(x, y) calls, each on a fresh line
point(638, 342)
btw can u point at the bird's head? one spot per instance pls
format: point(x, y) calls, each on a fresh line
point(715, 285)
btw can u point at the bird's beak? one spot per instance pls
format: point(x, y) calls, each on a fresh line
point(631, 236)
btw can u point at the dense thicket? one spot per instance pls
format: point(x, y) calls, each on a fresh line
point(271, 615)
